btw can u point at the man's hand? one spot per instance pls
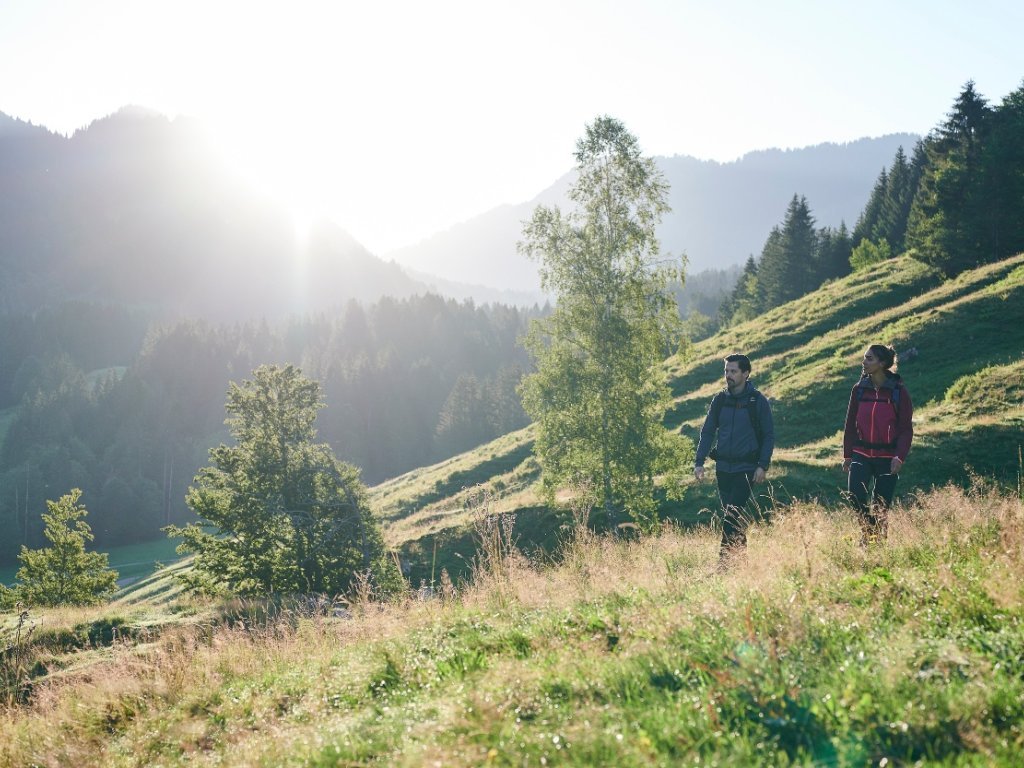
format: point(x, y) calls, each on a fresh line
point(896, 464)
point(846, 464)
point(698, 472)
point(759, 475)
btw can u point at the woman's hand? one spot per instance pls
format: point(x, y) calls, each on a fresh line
point(846, 465)
point(894, 468)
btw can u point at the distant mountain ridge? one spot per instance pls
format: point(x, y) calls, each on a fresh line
point(137, 209)
point(721, 212)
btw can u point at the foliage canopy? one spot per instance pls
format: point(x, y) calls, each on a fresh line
point(277, 512)
point(600, 393)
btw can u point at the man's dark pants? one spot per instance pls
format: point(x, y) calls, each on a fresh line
point(734, 490)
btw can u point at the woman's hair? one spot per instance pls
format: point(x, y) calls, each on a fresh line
point(886, 355)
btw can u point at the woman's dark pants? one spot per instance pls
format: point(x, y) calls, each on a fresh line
point(872, 514)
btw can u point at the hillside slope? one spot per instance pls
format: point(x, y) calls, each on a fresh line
point(809, 651)
point(968, 334)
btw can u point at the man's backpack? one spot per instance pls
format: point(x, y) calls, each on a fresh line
point(720, 401)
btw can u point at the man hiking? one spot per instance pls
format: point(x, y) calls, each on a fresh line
point(742, 419)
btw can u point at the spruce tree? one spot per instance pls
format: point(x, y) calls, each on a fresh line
point(891, 225)
point(869, 218)
point(1002, 168)
point(786, 267)
point(833, 258)
point(744, 303)
point(948, 224)
point(64, 573)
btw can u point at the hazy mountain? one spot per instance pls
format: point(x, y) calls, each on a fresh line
point(721, 212)
point(138, 210)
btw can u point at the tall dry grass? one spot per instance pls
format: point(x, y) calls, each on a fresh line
point(227, 692)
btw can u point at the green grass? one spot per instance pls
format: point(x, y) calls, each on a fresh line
point(135, 561)
point(809, 651)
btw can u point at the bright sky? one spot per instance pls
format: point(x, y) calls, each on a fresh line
point(400, 118)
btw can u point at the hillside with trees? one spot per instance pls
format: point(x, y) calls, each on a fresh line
point(954, 203)
point(539, 633)
point(963, 338)
point(541, 638)
point(90, 398)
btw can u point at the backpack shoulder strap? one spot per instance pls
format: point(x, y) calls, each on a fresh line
point(716, 405)
point(755, 417)
point(894, 399)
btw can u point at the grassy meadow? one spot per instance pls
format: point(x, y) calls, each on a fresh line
point(548, 644)
point(964, 379)
point(807, 651)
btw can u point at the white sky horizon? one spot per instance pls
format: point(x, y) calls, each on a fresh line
point(401, 119)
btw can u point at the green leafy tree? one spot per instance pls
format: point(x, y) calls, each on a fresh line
point(64, 573)
point(599, 393)
point(868, 253)
point(277, 512)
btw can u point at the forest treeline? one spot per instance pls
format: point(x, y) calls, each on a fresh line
point(956, 202)
point(96, 400)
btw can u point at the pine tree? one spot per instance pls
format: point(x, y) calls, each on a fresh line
point(600, 392)
point(786, 267)
point(744, 302)
point(1002, 165)
point(64, 573)
point(899, 194)
point(833, 257)
point(948, 220)
point(463, 421)
point(869, 218)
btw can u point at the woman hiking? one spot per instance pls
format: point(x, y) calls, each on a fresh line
point(877, 439)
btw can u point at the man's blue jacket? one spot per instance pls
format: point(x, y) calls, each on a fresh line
point(737, 441)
